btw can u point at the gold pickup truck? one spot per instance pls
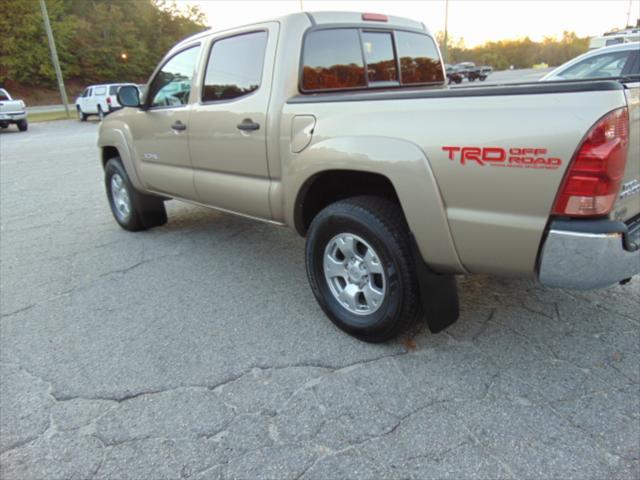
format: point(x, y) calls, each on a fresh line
point(341, 126)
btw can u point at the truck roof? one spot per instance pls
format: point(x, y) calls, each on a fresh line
point(322, 18)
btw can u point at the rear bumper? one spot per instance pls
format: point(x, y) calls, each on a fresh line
point(588, 254)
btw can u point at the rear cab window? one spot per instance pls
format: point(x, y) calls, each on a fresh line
point(363, 58)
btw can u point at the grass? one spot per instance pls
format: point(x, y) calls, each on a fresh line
point(49, 116)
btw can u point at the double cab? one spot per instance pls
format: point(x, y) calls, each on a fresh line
point(341, 126)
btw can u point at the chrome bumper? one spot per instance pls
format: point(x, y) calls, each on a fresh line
point(574, 257)
point(12, 116)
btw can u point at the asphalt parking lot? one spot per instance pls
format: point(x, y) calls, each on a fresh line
point(196, 350)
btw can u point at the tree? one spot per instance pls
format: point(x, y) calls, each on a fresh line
point(91, 38)
point(521, 53)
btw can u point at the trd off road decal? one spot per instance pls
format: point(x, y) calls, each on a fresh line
point(516, 157)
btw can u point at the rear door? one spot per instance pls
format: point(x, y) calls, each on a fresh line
point(227, 136)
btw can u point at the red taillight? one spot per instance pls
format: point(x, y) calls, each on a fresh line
point(374, 17)
point(109, 100)
point(591, 184)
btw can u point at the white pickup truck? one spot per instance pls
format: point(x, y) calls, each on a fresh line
point(12, 111)
point(341, 126)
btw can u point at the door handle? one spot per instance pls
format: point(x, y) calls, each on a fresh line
point(179, 126)
point(248, 124)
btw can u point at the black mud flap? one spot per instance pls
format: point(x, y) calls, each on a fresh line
point(438, 293)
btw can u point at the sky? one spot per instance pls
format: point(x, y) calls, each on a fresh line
point(477, 21)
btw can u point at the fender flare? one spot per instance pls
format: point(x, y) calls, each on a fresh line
point(116, 138)
point(409, 171)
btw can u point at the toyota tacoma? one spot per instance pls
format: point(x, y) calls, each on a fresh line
point(342, 127)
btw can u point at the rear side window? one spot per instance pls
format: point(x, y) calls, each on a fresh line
point(350, 58)
point(113, 89)
point(100, 91)
point(235, 67)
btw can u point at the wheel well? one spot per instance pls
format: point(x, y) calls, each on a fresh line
point(331, 186)
point(108, 153)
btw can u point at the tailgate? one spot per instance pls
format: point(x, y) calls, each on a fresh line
point(628, 204)
point(10, 106)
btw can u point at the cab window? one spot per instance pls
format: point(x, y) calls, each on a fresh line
point(352, 58)
point(172, 84)
point(234, 68)
point(419, 59)
point(333, 60)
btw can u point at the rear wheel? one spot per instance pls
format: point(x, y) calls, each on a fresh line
point(4, 125)
point(100, 113)
point(360, 268)
point(132, 209)
point(23, 125)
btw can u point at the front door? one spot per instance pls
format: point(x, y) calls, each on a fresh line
point(160, 130)
point(227, 135)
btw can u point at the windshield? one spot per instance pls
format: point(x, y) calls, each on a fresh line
point(4, 95)
point(599, 66)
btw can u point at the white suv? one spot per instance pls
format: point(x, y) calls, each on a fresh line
point(98, 100)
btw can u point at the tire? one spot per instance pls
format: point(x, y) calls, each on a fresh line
point(23, 125)
point(81, 115)
point(375, 224)
point(4, 125)
point(132, 209)
point(100, 113)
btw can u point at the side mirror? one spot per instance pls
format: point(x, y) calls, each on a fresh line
point(129, 96)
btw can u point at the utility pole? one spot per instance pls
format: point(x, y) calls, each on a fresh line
point(445, 47)
point(54, 56)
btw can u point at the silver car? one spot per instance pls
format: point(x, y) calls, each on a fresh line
point(607, 62)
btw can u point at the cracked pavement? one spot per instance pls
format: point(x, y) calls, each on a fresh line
point(196, 350)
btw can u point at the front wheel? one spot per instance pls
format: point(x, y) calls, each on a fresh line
point(132, 209)
point(23, 125)
point(359, 265)
point(81, 115)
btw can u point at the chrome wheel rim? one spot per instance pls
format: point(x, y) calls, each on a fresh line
point(354, 274)
point(120, 197)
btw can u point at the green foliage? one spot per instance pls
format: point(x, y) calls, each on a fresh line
point(521, 53)
point(91, 36)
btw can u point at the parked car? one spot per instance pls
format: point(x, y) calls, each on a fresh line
point(453, 75)
point(389, 175)
point(12, 111)
point(606, 62)
point(98, 100)
point(470, 71)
